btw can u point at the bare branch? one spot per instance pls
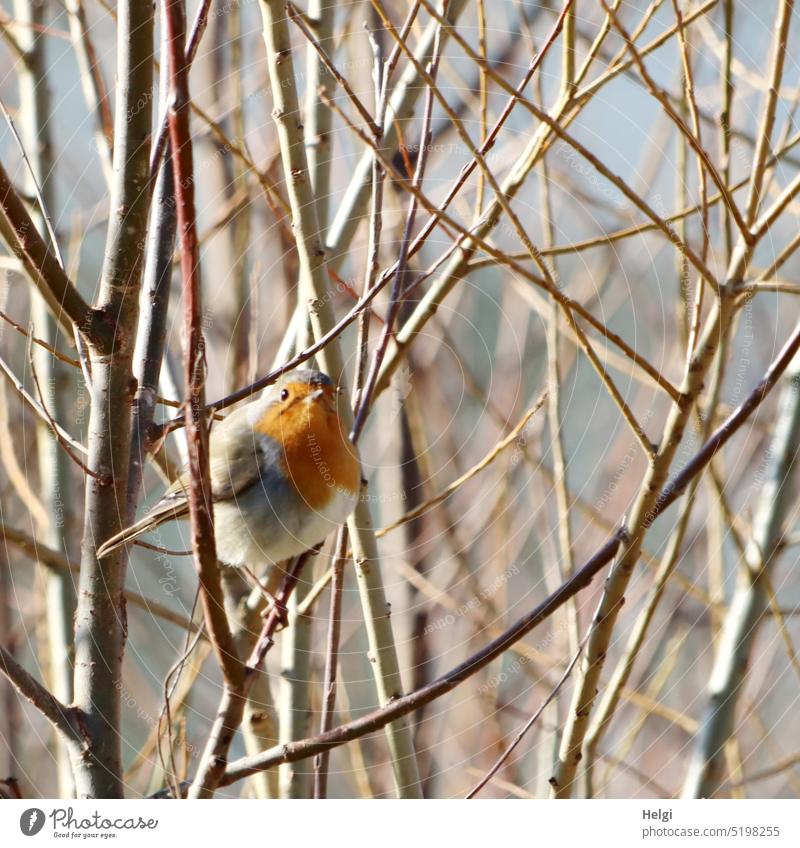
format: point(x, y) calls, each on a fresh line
point(63, 718)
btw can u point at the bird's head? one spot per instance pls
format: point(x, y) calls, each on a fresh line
point(295, 401)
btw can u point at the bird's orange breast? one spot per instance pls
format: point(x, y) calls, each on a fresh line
point(318, 457)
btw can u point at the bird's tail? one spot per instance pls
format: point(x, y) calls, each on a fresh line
point(165, 510)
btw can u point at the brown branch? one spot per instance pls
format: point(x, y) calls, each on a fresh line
point(203, 543)
point(162, 136)
point(231, 708)
point(42, 267)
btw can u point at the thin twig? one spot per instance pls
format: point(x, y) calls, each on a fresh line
point(498, 764)
point(512, 437)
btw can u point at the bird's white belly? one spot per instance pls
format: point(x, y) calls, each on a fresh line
point(251, 532)
point(318, 524)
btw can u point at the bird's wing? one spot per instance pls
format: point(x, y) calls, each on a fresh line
point(236, 458)
point(236, 464)
point(167, 509)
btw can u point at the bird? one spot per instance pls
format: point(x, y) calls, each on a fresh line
point(284, 473)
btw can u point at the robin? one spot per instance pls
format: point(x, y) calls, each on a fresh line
point(284, 473)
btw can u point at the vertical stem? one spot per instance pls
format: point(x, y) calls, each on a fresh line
point(685, 314)
point(751, 599)
point(422, 651)
point(764, 136)
point(243, 322)
point(313, 284)
point(320, 15)
point(152, 330)
point(484, 100)
point(295, 690)
point(295, 682)
point(331, 661)
point(9, 699)
point(100, 621)
point(322, 761)
point(259, 725)
point(725, 118)
point(54, 376)
point(382, 652)
point(568, 54)
point(554, 417)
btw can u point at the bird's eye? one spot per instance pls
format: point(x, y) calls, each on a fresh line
point(285, 394)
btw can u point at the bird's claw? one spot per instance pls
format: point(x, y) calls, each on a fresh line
point(279, 607)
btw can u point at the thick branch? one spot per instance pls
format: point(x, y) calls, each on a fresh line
point(100, 619)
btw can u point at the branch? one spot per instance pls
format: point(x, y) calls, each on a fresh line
point(100, 623)
point(60, 716)
point(331, 658)
point(750, 599)
point(42, 267)
point(162, 136)
point(229, 715)
point(404, 96)
point(152, 330)
point(764, 135)
point(313, 287)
